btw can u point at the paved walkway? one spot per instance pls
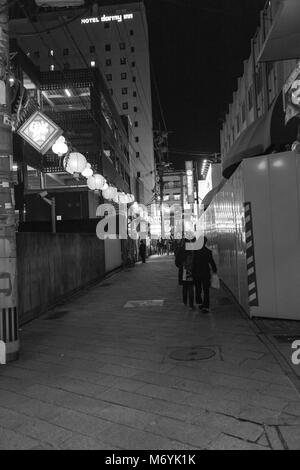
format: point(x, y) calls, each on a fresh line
point(95, 375)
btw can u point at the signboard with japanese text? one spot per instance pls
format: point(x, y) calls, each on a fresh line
point(40, 132)
point(189, 168)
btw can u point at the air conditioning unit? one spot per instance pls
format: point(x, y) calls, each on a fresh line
point(59, 3)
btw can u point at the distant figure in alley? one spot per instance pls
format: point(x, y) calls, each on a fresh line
point(142, 251)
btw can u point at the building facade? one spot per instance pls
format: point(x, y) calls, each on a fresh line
point(259, 86)
point(252, 215)
point(113, 39)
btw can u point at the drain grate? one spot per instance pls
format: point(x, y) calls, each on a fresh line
point(196, 353)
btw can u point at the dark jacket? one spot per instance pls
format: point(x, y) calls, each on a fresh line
point(203, 261)
point(142, 249)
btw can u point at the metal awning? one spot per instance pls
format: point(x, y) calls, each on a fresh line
point(264, 134)
point(283, 40)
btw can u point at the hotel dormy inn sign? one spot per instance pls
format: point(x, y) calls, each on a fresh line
point(107, 19)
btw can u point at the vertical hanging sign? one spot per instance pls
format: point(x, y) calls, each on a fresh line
point(189, 168)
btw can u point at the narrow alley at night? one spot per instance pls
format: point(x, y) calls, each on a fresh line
point(149, 228)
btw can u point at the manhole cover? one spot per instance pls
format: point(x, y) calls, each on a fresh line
point(57, 314)
point(144, 303)
point(192, 354)
point(286, 339)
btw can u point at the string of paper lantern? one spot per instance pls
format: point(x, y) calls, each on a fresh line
point(75, 163)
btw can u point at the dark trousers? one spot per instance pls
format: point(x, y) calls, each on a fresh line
point(143, 256)
point(202, 287)
point(188, 293)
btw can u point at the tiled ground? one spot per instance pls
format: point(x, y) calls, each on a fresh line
point(95, 375)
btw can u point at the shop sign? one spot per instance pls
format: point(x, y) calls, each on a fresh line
point(107, 19)
point(189, 168)
point(40, 132)
point(291, 95)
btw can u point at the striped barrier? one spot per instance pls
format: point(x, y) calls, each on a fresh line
point(250, 254)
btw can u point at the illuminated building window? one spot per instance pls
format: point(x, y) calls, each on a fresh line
point(109, 77)
point(123, 61)
point(93, 63)
point(166, 198)
point(65, 51)
point(125, 105)
point(124, 91)
point(177, 197)
point(92, 49)
point(108, 62)
point(52, 67)
point(123, 76)
point(122, 46)
point(51, 53)
point(107, 47)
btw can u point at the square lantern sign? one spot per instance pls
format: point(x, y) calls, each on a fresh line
point(40, 132)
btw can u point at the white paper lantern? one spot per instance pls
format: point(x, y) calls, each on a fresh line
point(91, 183)
point(96, 182)
point(60, 147)
point(109, 193)
point(76, 163)
point(87, 172)
point(105, 187)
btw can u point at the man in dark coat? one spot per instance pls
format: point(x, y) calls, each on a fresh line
point(202, 265)
point(142, 251)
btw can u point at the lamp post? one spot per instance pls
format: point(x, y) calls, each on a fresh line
point(9, 337)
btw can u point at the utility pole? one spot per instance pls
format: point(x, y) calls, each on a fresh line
point(9, 337)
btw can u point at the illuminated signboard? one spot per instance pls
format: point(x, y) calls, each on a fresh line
point(291, 95)
point(190, 182)
point(106, 19)
point(40, 132)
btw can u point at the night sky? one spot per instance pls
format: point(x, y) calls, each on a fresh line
point(197, 52)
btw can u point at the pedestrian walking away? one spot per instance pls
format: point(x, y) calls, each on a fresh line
point(142, 251)
point(203, 264)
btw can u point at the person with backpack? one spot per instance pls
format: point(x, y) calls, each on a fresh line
point(203, 264)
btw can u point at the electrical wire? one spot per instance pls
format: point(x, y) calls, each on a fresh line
point(154, 77)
